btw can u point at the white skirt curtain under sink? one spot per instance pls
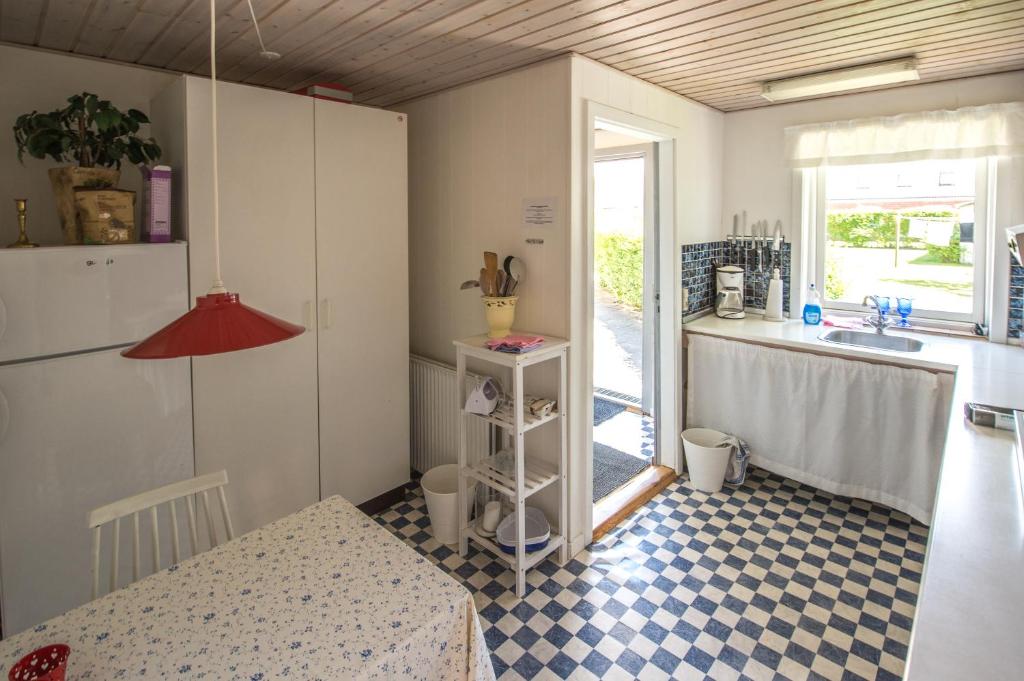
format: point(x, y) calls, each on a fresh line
point(870, 431)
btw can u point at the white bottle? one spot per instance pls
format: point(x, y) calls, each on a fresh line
point(773, 306)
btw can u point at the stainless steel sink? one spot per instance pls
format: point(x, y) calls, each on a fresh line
point(879, 341)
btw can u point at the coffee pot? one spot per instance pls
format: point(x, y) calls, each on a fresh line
point(729, 285)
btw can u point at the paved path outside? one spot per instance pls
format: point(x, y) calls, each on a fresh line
point(618, 346)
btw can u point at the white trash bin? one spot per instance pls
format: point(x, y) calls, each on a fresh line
point(440, 487)
point(706, 462)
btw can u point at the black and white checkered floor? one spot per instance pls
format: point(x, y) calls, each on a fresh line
point(773, 580)
point(647, 437)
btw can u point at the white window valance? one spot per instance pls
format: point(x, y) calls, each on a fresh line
point(972, 132)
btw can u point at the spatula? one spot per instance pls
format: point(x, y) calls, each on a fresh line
point(485, 283)
point(491, 269)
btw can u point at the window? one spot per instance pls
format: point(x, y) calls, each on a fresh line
point(904, 230)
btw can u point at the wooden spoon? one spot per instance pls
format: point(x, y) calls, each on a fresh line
point(484, 290)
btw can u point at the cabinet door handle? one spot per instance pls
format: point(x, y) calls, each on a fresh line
point(325, 313)
point(307, 316)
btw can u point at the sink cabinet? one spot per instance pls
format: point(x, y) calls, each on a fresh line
point(866, 430)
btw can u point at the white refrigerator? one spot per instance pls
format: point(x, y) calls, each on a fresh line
point(81, 426)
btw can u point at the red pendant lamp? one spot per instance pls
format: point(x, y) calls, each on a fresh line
point(219, 322)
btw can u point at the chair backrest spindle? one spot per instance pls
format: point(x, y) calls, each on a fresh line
point(96, 532)
point(115, 557)
point(193, 534)
point(175, 541)
point(136, 546)
point(156, 539)
point(228, 527)
point(209, 519)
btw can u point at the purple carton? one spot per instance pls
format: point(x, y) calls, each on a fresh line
point(156, 204)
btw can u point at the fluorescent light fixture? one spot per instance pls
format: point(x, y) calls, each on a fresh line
point(869, 75)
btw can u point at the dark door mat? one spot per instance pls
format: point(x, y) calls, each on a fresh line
point(613, 469)
point(604, 410)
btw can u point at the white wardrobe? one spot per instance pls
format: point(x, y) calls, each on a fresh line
point(314, 230)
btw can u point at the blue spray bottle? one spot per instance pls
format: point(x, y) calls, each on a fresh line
point(812, 308)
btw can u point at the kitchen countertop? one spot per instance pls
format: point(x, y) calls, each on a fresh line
point(970, 609)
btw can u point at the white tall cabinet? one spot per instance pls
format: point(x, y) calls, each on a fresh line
point(313, 230)
point(363, 284)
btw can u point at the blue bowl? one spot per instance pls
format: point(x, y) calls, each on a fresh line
point(530, 548)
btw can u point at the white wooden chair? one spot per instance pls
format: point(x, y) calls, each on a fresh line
point(151, 501)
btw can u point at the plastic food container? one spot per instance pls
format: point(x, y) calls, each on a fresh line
point(538, 531)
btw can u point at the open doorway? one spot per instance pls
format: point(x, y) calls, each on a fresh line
point(625, 266)
point(611, 133)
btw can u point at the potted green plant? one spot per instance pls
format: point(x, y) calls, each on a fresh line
point(93, 135)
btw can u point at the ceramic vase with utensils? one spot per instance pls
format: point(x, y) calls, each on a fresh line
point(500, 312)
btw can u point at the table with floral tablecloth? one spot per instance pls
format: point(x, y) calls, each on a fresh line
point(325, 593)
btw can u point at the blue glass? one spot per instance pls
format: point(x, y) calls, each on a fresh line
point(904, 306)
point(883, 305)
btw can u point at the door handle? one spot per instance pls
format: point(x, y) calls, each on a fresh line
point(3, 318)
point(326, 310)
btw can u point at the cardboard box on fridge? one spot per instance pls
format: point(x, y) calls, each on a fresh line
point(156, 204)
point(329, 91)
point(107, 216)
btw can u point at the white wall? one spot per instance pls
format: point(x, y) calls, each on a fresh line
point(757, 179)
point(40, 80)
point(698, 148)
point(475, 152)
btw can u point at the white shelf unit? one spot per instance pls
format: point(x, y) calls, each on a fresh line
point(494, 473)
point(510, 471)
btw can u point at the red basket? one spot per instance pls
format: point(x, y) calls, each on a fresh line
point(45, 664)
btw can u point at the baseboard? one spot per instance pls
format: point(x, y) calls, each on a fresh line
point(383, 501)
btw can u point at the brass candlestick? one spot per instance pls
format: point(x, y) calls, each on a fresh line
point(22, 242)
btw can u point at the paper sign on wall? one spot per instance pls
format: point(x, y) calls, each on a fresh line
point(540, 212)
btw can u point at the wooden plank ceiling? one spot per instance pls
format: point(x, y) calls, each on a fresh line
point(389, 51)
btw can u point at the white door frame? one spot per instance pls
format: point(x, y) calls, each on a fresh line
point(668, 403)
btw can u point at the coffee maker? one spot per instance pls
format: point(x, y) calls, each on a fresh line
point(729, 297)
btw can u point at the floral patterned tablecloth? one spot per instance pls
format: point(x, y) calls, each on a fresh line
point(325, 593)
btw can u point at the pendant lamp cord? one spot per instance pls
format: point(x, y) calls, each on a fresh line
point(218, 284)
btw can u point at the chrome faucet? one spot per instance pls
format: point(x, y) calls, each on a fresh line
point(877, 321)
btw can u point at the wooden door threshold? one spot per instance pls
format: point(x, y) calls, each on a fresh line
point(621, 503)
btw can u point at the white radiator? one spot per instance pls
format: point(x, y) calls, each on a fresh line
point(435, 417)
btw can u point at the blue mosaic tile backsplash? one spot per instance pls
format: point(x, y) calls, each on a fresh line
point(1016, 317)
point(699, 275)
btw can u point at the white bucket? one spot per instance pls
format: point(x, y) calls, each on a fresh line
point(440, 487)
point(705, 462)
